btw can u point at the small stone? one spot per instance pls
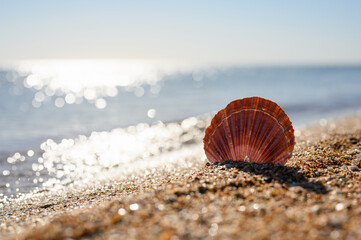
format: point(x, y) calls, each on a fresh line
point(257, 206)
point(46, 205)
point(354, 168)
point(169, 199)
point(242, 208)
point(238, 195)
point(202, 189)
point(339, 207)
point(122, 212)
point(161, 207)
point(353, 140)
point(335, 224)
point(267, 179)
point(315, 209)
point(134, 207)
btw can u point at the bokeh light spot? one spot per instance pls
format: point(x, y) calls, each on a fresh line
point(151, 113)
point(70, 98)
point(59, 102)
point(30, 153)
point(100, 103)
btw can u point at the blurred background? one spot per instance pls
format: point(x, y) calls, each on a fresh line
point(80, 78)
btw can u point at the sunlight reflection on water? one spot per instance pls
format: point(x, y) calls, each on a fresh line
point(72, 81)
point(108, 156)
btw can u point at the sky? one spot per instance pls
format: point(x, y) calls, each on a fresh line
point(230, 32)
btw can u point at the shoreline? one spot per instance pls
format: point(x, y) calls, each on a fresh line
point(316, 195)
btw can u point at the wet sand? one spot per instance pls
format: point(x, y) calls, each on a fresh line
point(316, 195)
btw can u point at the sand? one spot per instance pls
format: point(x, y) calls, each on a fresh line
point(316, 195)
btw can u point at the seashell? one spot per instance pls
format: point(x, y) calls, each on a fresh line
point(251, 130)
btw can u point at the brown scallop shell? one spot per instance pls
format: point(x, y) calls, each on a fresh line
point(251, 130)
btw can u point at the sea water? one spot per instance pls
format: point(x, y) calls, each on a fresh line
point(74, 123)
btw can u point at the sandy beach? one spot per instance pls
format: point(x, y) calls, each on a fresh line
point(180, 120)
point(316, 195)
